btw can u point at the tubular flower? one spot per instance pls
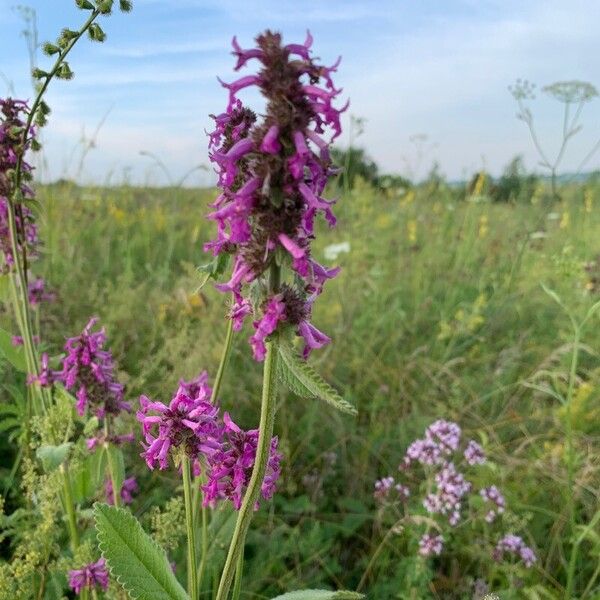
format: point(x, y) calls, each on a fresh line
point(12, 125)
point(89, 369)
point(272, 175)
point(89, 577)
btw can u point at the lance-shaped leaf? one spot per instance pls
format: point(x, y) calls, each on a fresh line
point(137, 562)
point(303, 380)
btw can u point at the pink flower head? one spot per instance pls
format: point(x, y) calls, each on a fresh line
point(513, 544)
point(474, 454)
point(189, 422)
point(431, 545)
point(89, 577)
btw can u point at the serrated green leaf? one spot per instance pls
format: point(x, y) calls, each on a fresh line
point(137, 562)
point(299, 375)
point(319, 595)
point(15, 355)
point(53, 456)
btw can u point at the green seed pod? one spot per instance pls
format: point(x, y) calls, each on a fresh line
point(50, 49)
point(96, 33)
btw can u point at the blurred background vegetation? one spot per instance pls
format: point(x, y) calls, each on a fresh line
point(438, 313)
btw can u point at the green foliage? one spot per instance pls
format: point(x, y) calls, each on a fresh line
point(137, 562)
point(15, 355)
point(515, 184)
point(319, 595)
point(52, 457)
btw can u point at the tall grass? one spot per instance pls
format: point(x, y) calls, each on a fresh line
point(439, 312)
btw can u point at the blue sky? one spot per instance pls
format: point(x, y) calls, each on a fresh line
point(439, 68)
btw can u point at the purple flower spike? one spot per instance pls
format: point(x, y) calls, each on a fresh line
point(12, 124)
point(88, 368)
point(272, 174)
point(89, 577)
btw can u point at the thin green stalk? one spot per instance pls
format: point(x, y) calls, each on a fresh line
point(111, 466)
point(267, 419)
point(70, 508)
point(189, 523)
point(239, 571)
point(375, 556)
point(204, 534)
point(570, 463)
point(223, 363)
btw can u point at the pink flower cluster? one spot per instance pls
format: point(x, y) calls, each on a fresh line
point(439, 453)
point(192, 424)
point(89, 576)
point(387, 489)
point(513, 544)
point(89, 369)
point(272, 175)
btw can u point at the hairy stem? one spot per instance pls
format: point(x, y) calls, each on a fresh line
point(204, 534)
point(223, 363)
point(116, 490)
point(237, 584)
point(571, 496)
point(70, 508)
point(189, 523)
point(267, 419)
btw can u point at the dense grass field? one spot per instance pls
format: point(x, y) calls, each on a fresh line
point(439, 311)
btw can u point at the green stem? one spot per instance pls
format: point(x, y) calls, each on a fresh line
point(204, 533)
point(189, 522)
point(267, 419)
point(237, 584)
point(116, 490)
point(224, 361)
point(571, 496)
point(70, 508)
